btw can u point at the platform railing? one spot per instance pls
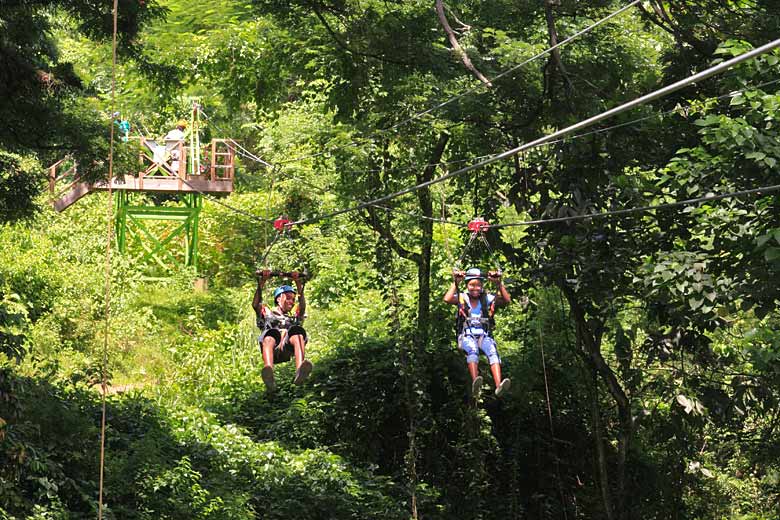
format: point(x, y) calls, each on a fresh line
point(159, 161)
point(63, 176)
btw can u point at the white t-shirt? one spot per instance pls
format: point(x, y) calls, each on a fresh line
point(174, 135)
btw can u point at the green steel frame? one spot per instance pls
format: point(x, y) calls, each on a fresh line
point(155, 249)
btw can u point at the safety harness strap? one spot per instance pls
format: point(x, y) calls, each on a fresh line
point(272, 320)
point(485, 320)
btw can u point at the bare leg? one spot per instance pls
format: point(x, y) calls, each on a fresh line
point(302, 365)
point(476, 379)
point(299, 348)
point(495, 369)
point(267, 373)
point(502, 385)
point(269, 344)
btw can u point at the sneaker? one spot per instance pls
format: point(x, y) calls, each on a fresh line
point(303, 372)
point(503, 387)
point(268, 378)
point(476, 387)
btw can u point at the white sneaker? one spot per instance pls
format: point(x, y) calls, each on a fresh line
point(303, 372)
point(268, 378)
point(476, 387)
point(503, 387)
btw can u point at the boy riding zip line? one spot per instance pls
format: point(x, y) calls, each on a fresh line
point(283, 335)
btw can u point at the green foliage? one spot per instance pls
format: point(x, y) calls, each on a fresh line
point(46, 112)
point(169, 465)
point(658, 330)
point(20, 181)
point(13, 325)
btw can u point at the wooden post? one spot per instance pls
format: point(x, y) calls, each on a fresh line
point(182, 163)
point(53, 177)
point(232, 163)
point(213, 172)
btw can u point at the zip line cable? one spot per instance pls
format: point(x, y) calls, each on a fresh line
point(238, 149)
point(324, 190)
point(716, 69)
point(264, 220)
point(643, 209)
point(107, 293)
point(321, 189)
point(515, 67)
point(472, 89)
point(244, 152)
point(228, 206)
point(238, 146)
point(659, 114)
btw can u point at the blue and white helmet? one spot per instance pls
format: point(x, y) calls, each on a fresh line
point(283, 289)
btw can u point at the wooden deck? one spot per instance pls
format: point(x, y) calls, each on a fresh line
point(156, 184)
point(158, 173)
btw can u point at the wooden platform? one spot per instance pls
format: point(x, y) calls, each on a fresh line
point(154, 184)
point(164, 173)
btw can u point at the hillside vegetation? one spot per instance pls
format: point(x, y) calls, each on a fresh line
point(643, 346)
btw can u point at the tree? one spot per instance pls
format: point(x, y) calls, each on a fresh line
point(43, 103)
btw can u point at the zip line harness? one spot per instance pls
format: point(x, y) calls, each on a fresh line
point(272, 320)
point(282, 226)
point(464, 319)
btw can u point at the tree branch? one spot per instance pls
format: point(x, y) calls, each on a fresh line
point(463, 27)
point(375, 221)
point(349, 49)
point(456, 46)
point(555, 55)
point(660, 18)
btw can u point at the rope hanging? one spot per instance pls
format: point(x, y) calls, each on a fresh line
point(550, 420)
point(107, 297)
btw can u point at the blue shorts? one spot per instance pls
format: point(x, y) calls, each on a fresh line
point(471, 345)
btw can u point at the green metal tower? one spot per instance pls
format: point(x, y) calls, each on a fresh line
point(161, 236)
point(158, 236)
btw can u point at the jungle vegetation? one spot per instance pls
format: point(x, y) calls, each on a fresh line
point(644, 348)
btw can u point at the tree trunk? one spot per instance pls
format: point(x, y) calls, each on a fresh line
point(555, 54)
point(408, 349)
point(426, 242)
point(601, 455)
point(589, 336)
